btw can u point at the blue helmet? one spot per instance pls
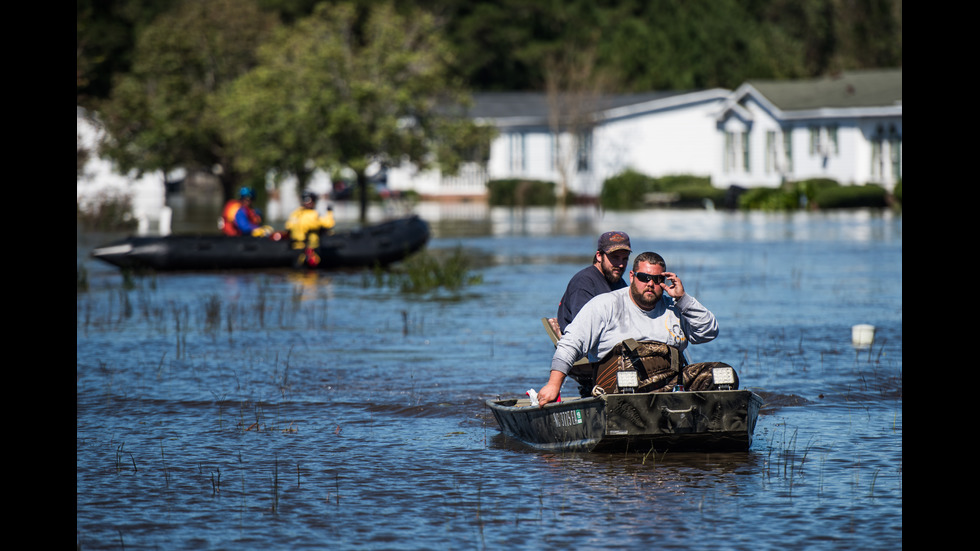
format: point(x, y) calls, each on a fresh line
point(246, 192)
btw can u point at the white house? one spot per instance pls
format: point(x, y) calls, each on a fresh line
point(656, 133)
point(847, 128)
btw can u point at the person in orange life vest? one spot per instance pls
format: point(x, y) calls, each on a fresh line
point(227, 221)
point(305, 224)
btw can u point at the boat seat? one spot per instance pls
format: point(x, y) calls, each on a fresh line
point(551, 326)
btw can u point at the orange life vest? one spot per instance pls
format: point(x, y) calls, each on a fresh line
point(228, 214)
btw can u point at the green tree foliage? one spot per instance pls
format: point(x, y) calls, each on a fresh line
point(647, 44)
point(345, 87)
point(684, 45)
point(105, 33)
point(158, 114)
point(672, 44)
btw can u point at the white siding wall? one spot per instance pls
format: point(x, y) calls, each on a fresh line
point(681, 140)
point(470, 182)
point(537, 151)
point(498, 164)
point(760, 171)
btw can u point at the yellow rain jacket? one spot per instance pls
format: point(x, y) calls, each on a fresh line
point(305, 224)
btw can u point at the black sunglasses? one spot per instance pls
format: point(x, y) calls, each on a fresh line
point(647, 278)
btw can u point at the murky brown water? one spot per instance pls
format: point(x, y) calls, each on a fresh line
point(289, 411)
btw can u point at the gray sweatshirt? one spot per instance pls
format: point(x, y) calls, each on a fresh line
point(613, 317)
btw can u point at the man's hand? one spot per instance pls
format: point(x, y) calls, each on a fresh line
point(676, 290)
point(550, 391)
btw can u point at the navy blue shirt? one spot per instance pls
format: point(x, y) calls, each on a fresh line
point(584, 285)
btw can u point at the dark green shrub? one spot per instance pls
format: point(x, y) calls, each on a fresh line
point(697, 196)
point(812, 187)
point(897, 193)
point(521, 193)
point(628, 190)
point(769, 199)
point(625, 191)
point(868, 195)
point(678, 182)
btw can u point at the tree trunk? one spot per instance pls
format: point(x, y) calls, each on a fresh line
point(229, 186)
point(362, 188)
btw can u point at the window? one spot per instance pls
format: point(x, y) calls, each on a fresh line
point(745, 152)
point(729, 152)
point(769, 164)
point(823, 141)
point(832, 138)
point(877, 158)
point(788, 150)
point(876, 161)
point(736, 149)
point(895, 149)
point(517, 152)
point(584, 153)
point(555, 152)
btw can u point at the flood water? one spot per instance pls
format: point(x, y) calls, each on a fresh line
point(282, 410)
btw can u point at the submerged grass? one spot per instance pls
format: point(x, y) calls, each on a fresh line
point(429, 270)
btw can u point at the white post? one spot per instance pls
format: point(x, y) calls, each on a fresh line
point(142, 223)
point(166, 216)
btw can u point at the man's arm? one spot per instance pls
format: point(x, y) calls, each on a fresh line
point(700, 324)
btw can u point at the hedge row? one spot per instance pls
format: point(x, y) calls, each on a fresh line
point(523, 193)
point(632, 190)
point(817, 193)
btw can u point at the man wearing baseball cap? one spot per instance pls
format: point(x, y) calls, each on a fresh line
point(605, 274)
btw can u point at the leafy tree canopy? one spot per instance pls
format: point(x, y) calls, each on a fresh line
point(158, 114)
point(345, 87)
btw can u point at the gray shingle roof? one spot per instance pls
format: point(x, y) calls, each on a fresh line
point(868, 88)
point(850, 89)
point(534, 105)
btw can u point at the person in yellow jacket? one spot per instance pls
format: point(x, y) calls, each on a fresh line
point(305, 225)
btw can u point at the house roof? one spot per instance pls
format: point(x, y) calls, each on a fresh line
point(849, 89)
point(531, 108)
point(872, 91)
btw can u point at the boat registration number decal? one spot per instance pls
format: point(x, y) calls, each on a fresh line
point(567, 418)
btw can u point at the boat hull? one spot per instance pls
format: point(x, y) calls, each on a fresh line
point(376, 245)
point(710, 421)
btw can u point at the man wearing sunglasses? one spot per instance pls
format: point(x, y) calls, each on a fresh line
point(640, 312)
point(604, 275)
